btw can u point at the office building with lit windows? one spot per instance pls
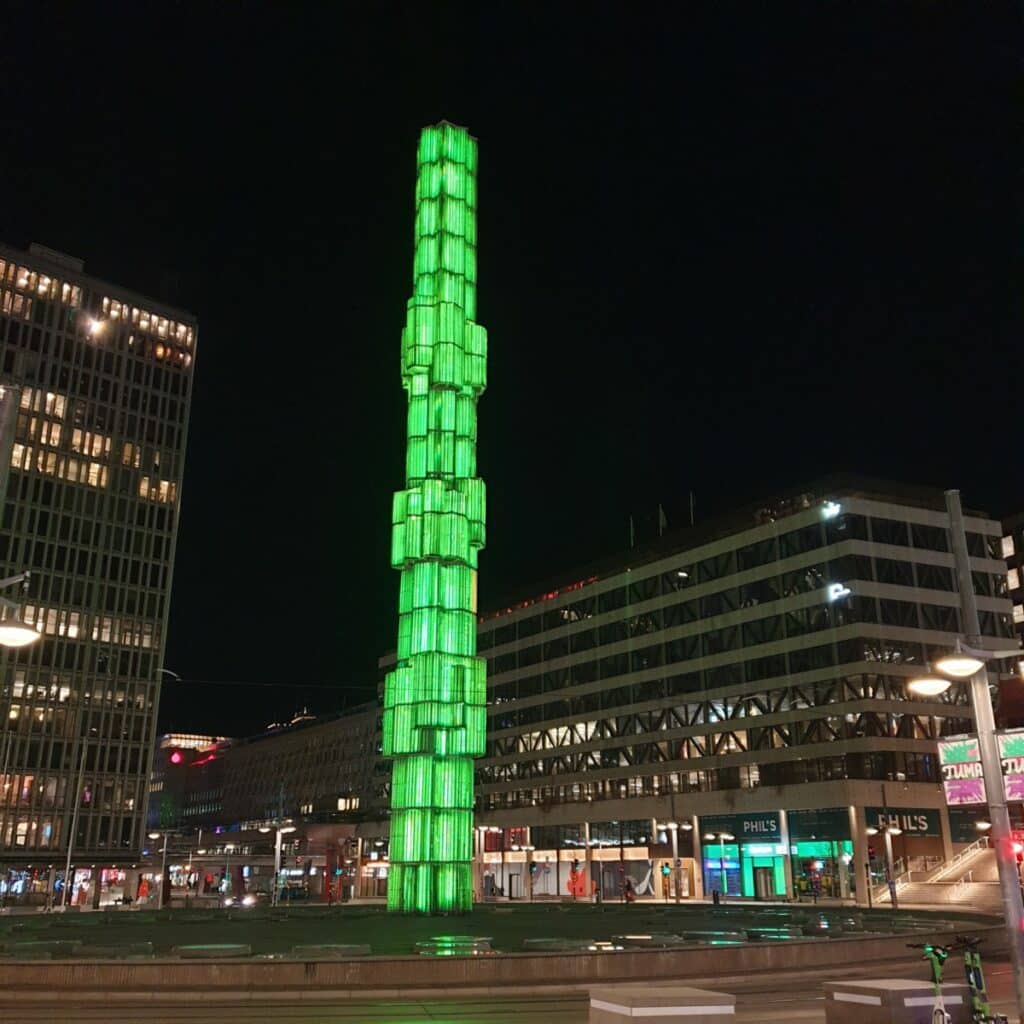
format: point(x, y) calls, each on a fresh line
point(92, 469)
point(745, 680)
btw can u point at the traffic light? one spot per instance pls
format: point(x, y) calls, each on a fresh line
point(665, 870)
point(533, 867)
point(176, 757)
point(1018, 852)
point(871, 853)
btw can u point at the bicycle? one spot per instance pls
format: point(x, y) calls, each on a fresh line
point(936, 956)
point(981, 1011)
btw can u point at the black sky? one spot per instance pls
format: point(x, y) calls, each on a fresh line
point(723, 247)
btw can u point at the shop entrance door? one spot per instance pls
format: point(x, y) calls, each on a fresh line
point(764, 883)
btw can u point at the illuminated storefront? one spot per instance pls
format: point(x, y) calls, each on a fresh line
point(743, 855)
point(821, 851)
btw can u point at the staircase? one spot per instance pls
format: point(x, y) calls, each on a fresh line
point(983, 896)
point(970, 881)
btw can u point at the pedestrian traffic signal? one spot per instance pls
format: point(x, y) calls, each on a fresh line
point(666, 870)
point(533, 867)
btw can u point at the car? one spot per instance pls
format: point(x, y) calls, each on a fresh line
point(248, 899)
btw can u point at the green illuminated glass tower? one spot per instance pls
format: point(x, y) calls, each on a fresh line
point(434, 700)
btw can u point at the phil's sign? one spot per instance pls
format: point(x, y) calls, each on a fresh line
point(912, 821)
point(752, 827)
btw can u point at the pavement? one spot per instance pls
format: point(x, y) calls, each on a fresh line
point(793, 998)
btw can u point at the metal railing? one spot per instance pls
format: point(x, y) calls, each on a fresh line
point(978, 846)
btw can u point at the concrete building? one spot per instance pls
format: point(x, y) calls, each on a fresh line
point(102, 378)
point(221, 800)
point(1012, 548)
point(744, 680)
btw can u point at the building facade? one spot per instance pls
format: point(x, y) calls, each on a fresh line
point(102, 378)
point(1013, 551)
point(745, 681)
point(220, 801)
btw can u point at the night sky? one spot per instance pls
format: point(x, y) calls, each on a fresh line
point(724, 247)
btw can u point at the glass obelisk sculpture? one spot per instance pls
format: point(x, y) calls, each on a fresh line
point(434, 700)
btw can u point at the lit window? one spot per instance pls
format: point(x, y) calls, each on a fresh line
point(1013, 579)
point(1008, 548)
point(1018, 613)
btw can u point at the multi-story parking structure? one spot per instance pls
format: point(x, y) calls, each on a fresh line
point(745, 679)
point(103, 380)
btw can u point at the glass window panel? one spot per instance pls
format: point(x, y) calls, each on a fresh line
point(678, 579)
point(846, 527)
point(888, 570)
point(759, 592)
point(760, 553)
point(934, 577)
point(889, 531)
point(930, 538)
point(898, 613)
point(805, 580)
point(796, 542)
point(716, 566)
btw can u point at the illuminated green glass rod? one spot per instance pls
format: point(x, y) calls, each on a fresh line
point(434, 700)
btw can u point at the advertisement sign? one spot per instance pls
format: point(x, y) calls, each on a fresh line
point(962, 778)
point(914, 821)
point(1011, 754)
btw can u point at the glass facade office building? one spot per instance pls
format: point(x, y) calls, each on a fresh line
point(747, 677)
point(93, 464)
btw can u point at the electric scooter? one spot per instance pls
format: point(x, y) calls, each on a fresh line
point(981, 1011)
point(936, 957)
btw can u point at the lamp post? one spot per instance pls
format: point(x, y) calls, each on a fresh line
point(890, 867)
point(166, 834)
point(721, 838)
point(280, 829)
point(968, 662)
point(163, 867)
point(673, 828)
point(74, 822)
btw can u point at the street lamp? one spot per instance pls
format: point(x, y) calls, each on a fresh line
point(890, 866)
point(721, 838)
point(967, 662)
point(673, 828)
point(163, 868)
point(279, 830)
point(14, 630)
point(928, 686)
